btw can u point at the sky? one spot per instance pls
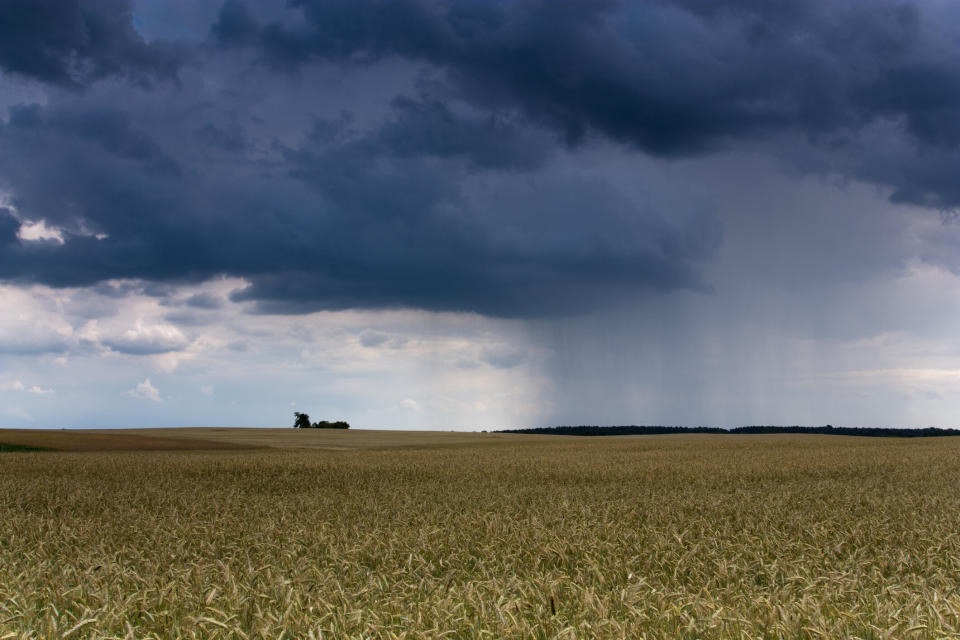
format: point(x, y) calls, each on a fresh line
point(479, 214)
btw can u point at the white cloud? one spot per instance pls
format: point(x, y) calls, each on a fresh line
point(17, 385)
point(148, 339)
point(168, 362)
point(145, 391)
point(97, 341)
point(31, 322)
point(38, 231)
point(207, 390)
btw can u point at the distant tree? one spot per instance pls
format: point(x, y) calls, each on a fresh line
point(324, 424)
point(301, 421)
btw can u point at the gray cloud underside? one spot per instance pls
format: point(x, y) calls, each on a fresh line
point(671, 77)
point(177, 162)
point(71, 43)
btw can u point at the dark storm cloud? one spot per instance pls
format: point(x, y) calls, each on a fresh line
point(71, 43)
point(488, 141)
point(668, 77)
point(341, 219)
point(228, 139)
point(408, 234)
point(9, 227)
point(461, 190)
point(106, 127)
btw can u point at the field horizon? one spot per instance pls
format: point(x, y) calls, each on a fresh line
point(245, 438)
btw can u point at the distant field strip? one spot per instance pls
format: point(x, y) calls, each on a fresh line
point(115, 440)
point(4, 446)
point(203, 438)
point(494, 537)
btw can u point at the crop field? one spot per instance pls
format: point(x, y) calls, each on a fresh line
point(376, 535)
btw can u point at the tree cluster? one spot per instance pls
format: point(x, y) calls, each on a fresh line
point(302, 421)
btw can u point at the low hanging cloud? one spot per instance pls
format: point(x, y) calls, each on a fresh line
point(503, 356)
point(373, 338)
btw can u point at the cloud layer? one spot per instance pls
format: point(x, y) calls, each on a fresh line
point(431, 154)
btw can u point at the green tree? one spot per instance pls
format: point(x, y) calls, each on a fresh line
point(301, 421)
point(326, 424)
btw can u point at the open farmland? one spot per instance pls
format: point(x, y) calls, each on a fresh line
point(201, 438)
point(425, 535)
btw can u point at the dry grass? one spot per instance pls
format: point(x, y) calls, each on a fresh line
point(656, 537)
point(113, 440)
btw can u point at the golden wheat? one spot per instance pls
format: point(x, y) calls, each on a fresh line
point(636, 537)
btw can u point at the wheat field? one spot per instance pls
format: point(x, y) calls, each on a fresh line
point(484, 536)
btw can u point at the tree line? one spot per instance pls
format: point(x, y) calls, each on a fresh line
point(874, 432)
point(302, 421)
